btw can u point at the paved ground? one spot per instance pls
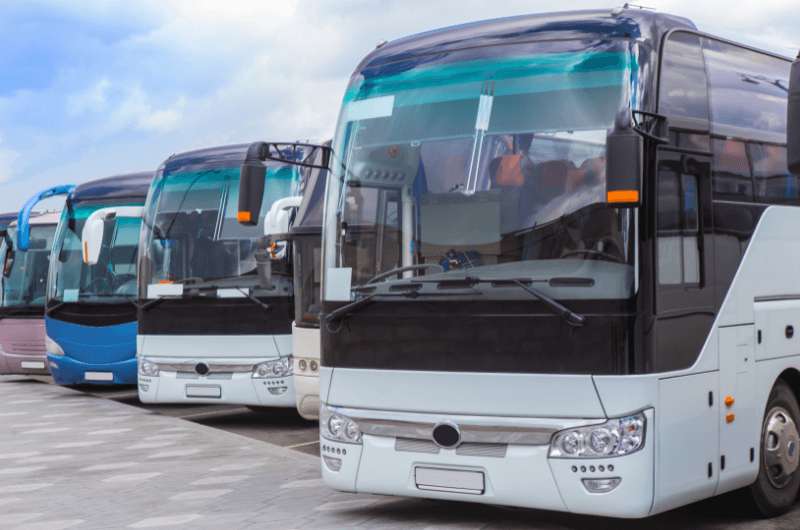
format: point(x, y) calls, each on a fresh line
point(71, 459)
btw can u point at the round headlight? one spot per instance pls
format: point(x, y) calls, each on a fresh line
point(335, 425)
point(314, 365)
point(302, 364)
point(602, 441)
point(262, 370)
point(277, 369)
point(571, 443)
point(351, 431)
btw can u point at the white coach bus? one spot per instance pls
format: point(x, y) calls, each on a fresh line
point(561, 259)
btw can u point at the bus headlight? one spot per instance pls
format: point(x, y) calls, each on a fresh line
point(616, 437)
point(338, 427)
point(148, 368)
point(278, 368)
point(52, 347)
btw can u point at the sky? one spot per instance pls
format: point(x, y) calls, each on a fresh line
point(102, 87)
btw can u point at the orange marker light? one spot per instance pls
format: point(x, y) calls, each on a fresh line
point(243, 217)
point(730, 417)
point(729, 401)
point(622, 196)
point(85, 252)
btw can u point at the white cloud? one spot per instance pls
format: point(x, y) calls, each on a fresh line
point(7, 159)
point(93, 99)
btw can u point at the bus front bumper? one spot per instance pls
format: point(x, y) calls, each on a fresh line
point(224, 388)
point(306, 389)
point(513, 475)
point(14, 364)
point(68, 371)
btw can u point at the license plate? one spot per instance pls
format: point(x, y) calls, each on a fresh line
point(450, 480)
point(32, 364)
point(98, 376)
point(206, 391)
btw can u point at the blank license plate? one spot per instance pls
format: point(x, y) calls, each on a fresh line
point(98, 376)
point(32, 364)
point(206, 391)
point(451, 480)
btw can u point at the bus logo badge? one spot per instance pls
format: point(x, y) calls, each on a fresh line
point(446, 435)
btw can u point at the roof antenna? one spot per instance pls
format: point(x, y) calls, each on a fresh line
point(627, 5)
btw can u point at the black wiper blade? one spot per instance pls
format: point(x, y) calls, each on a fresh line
point(214, 287)
point(407, 291)
point(571, 317)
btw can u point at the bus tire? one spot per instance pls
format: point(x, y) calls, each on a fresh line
point(775, 490)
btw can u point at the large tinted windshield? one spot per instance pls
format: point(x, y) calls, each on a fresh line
point(26, 284)
point(113, 278)
point(490, 160)
point(191, 234)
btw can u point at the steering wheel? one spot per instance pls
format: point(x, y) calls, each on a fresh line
point(397, 270)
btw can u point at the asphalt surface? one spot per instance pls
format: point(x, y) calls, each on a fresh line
point(264, 430)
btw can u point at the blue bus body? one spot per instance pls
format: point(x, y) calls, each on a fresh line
point(90, 316)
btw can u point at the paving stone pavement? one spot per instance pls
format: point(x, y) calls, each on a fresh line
point(72, 460)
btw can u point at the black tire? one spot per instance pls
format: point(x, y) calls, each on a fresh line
point(775, 490)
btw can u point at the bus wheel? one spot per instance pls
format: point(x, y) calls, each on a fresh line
point(775, 490)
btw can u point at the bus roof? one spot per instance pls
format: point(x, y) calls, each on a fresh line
point(40, 218)
point(223, 155)
point(133, 185)
point(578, 25)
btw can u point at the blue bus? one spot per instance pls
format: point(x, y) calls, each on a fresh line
point(90, 316)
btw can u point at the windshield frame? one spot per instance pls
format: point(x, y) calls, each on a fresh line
point(24, 306)
point(342, 177)
point(80, 295)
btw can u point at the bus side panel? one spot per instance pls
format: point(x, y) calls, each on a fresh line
point(739, 417)
point(687, 440)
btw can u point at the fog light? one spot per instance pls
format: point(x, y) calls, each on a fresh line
point(601, 485)
point(302, 364)
point(143, 387)
point(334, 464)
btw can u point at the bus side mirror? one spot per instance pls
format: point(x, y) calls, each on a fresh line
point(94, 229)
point(793, 120)
point(624, 172)
point(251, 191)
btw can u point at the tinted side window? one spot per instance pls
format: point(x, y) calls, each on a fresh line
point(732, 178)
point(678, 223)
point(683, 92)
point(773, 182)
point(747, 92)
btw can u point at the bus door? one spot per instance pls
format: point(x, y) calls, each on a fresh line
point(683, 279)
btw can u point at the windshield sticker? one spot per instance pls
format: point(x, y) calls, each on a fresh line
point(337, 284)
point(157, 290)
point(367, 109)
point(71, 295)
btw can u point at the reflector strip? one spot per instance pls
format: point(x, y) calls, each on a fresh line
point(85, 252)
point(622, 196)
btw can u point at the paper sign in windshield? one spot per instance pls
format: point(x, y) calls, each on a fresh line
point(367, 109)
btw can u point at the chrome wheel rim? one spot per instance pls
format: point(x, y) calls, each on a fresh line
point(781, 447)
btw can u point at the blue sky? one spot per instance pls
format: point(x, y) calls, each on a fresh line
point(96, 88)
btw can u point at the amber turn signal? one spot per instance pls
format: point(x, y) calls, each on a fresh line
point(730, 417)
point(622, 196)
point(729, 401)
point(243, 217)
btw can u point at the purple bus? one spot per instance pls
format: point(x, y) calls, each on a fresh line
point(24, 282)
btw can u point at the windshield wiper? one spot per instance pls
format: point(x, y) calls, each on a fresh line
point(571, 317)
point(411, 290)
point(215, 287)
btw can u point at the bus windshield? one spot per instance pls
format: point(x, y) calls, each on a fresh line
point(113, 278)
point(486, 162)
point(191, 234)
point(26, 283)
